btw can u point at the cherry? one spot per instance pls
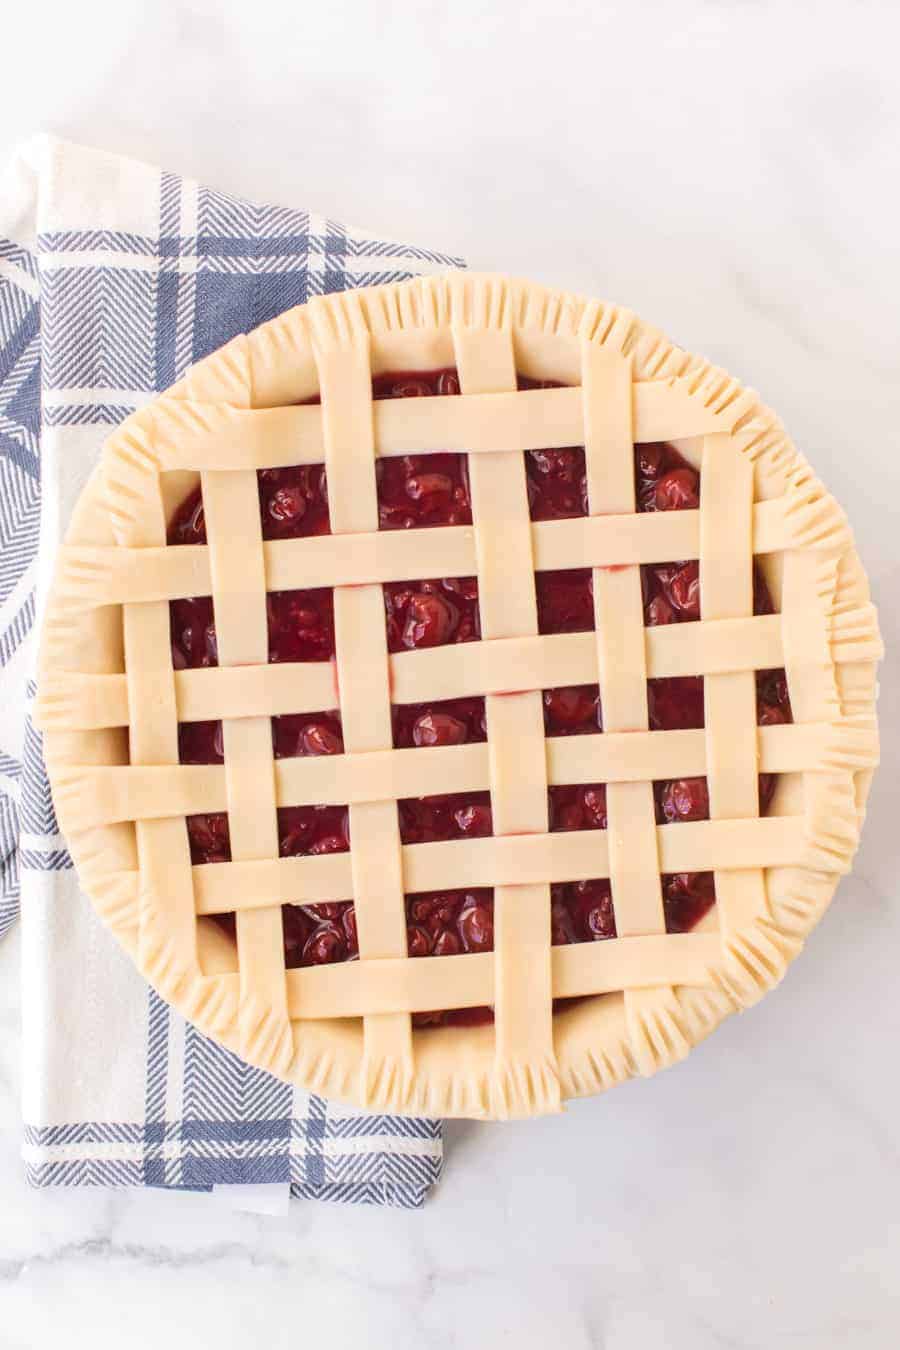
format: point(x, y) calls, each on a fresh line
point(450, 722)
point(572, 710)
point(328, 843)
point(600, 919)
point(319, 739)
point(464, 589)
point(677, 490)
point(684, 799)
point(557, 483)
point(350, 934)
point(319, 934)
point(431, 613)
point(307, 734)
point(402, 386)
point(565, 601)
point(650, 459)
point(562, 929)
point(773, 703)
point(676, 703)
point(476, 927)
point(437, 728)
point(200, 743)
point(658, 612)
point(462, 815)
point(671, 593)
point(418, 943)
point(297, 924)
point(582, 911)
point(684, 591)
point(287, 504)
point(577, 807)
point(301, 625)
point(772, 686)
point(566, 813)
point(473, 820)
point(209, 838)
point(189, 523)
point(293, 502)
point(325, 946)
point(447, 943)
point(565, 465)
point(193, 633)
point(430, 621)
point(333, 909)
point(687, 896)
point(434, 485)
point(305, 830)
point(420, 908)
point(594, 799)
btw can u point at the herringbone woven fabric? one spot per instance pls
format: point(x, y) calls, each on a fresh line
point(114, 277)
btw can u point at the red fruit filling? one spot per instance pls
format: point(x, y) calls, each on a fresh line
point(458, 815)
point(431, 613)
point(456, 721)
point(421, 491)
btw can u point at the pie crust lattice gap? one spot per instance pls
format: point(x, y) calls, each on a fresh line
point(110, 701)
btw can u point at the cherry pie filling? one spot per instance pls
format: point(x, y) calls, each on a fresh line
point(416, 491)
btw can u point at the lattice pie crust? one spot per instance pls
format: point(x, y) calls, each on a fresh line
point(109, 699)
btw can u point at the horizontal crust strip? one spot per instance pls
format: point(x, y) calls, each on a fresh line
point(507, 860)
point(204, 436)
point(428, 984)
point(106, 794)
point(78, 701)
point(431, 983)
point(471, 669)
point(102, 576)
point(510, 665)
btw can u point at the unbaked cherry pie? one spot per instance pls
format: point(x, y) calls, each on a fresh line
point(482, 591)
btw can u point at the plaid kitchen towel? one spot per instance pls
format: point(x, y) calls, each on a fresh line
point(114, 277)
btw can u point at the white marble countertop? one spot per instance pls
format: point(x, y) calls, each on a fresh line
point(728, 170)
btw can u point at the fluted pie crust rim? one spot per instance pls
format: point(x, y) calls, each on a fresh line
point(345, 1030)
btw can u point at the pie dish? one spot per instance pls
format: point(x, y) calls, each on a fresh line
point(457, 697)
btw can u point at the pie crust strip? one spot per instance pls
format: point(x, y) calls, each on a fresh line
point(341, 348)
point(428, 984)
point(118, 575)
point(204, 435)
point(525, 1076)
point(504, 665)
point(695, 846)
point(751, 960)
point(234, 529)
point(622, 649)
point(167, 928)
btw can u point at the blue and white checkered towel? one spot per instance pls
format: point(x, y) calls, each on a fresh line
point(114, 277)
